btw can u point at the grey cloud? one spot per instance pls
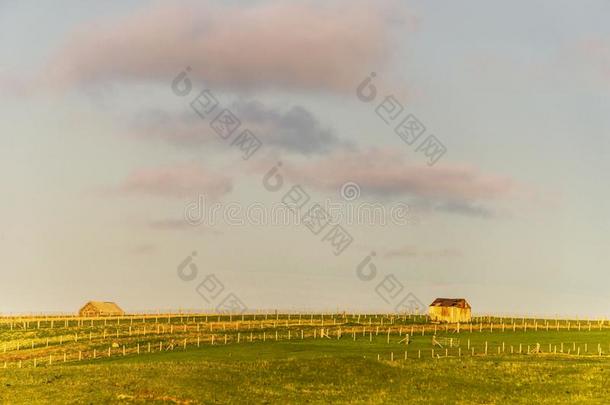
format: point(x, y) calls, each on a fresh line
point(182, 129)
point(296, 130)
point(465, 208)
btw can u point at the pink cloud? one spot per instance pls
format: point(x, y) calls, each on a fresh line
point(597, 53)
point(405, 251)
point(177, 181)
point(385, 172)
point(305, 45)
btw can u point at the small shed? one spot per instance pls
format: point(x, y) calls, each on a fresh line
point(450, 310)
point(100, 308)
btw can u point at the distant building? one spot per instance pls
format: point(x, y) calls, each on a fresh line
point(450, 310)
point(98, 308)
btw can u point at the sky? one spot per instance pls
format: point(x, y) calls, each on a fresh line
point(108, 143)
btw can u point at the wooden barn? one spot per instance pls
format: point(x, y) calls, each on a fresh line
point(99, 308)
point(450, 310)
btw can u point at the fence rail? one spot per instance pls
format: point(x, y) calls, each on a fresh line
point(137, 348)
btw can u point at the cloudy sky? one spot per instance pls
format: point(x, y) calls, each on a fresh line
point(107, 142)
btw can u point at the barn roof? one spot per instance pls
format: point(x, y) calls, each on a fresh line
point(105, 307)
point(450, 302)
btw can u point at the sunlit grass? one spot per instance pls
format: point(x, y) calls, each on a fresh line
point(308, 370)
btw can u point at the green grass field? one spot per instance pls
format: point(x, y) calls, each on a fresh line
point(357, 363)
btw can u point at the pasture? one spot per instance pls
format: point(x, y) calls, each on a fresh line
point(302, 358)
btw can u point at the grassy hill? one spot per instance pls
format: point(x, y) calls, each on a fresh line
point(340, 359)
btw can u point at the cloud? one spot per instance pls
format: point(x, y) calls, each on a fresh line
point(296, 130)
point(184, 129)
point(595, 52)
point(14, 84)
point(464, 208)
point(386, 173)
point(177, 181)
point(412, 252)
point(269, 45)
point(405, 251)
